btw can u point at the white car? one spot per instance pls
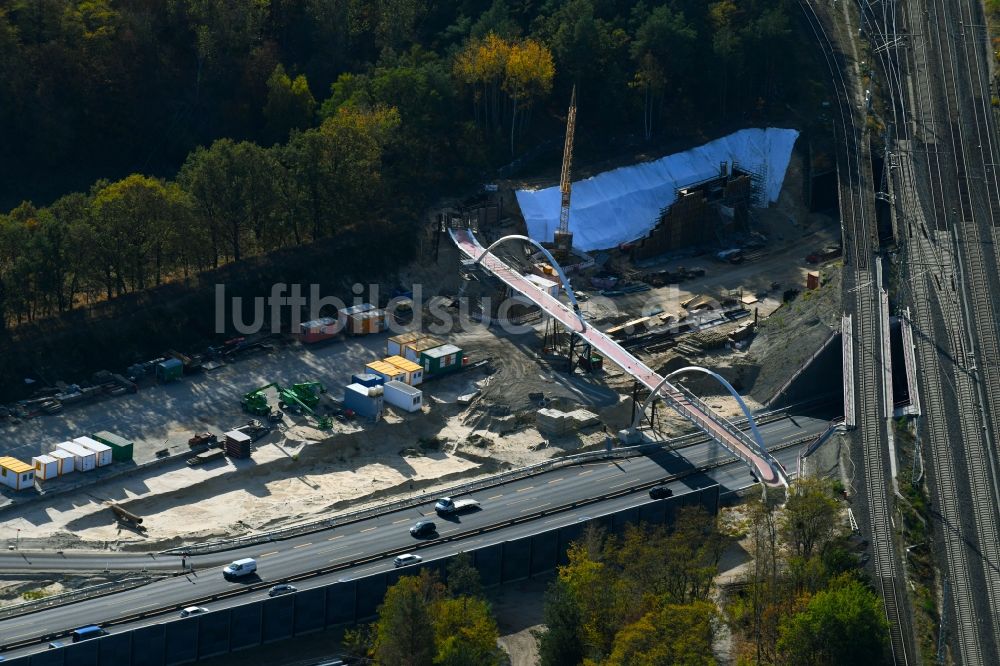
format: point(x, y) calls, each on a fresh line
point(193, 610)
point(406, 559)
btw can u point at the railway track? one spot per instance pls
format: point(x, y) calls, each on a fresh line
point(964, 307)
point(860, 246)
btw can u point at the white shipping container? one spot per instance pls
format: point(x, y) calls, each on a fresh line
point(65, 460)
point(404, 396)
point(84, 459)
point(46, 467)
point(103, 451)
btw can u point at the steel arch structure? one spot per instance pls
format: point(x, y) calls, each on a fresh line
point(719, 378)
point(717, 426)
point(552, 261)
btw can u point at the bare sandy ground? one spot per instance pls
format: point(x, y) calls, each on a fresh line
point(290, 479)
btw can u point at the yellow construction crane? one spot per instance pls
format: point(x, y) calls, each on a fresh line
point(563, 239)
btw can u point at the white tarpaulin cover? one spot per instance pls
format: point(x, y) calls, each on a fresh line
point(622, 205)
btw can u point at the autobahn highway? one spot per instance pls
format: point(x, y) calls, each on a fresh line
point(389, 533)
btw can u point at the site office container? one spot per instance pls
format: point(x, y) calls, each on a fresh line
point(121, 448)
point(394, 345)
point(366, 379)
point(102, 451)
point(46, 467)
point(365, 401)
point(356, 309)
point(413, 373)
point(65, 460)
point(443, 359)
point(404, 396)
point(387, 371)
point(413, 350)
point(365, 323)
point(16, 474)
point(319, 329)
point(84, 459)
point(169, 370)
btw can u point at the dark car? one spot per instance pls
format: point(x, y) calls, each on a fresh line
point(283, 588)
point(423, 528)
point(660, 492)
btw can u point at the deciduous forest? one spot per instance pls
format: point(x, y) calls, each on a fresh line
point(149, 140)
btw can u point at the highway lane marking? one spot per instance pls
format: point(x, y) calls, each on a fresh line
point(624, 483)
point(521, 490)
point(526, 499)
point(155, 603)
point(302, 545)
point(369, 529)
point(339, 536)
point(273, 552)
point(494, 497)
point(551, 521)
point(555, 480)
point(347, 557)
point(587, 471)
point(540, 506)
point(401, 520)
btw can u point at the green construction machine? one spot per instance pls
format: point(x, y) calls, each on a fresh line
point(304, 397)
point(306, 394)
point(300, 398)
point(255, 402)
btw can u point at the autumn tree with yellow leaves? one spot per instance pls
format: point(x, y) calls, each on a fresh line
point(521, 71)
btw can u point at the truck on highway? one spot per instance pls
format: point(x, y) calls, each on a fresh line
point(86, 633)
point(447, 505)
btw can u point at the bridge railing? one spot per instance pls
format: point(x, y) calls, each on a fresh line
point(718, 419)
point(699, 419)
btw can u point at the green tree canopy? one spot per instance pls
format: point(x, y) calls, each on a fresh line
point(844, 624)
point(668, 635)
point(290, 104)
point(404, 632)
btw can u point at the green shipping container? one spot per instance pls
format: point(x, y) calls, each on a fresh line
point(121, 448)
point(440, 360)
point(169, 370)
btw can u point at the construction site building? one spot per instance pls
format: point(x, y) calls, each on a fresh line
point(16, 474)
point(366, 379)
point(84, 459)
point(394, 345)
point(403, 396)
point(413, 350)
point(46, 467)
point(443, 359)
point(64, 460)
point(387, 371)
point(121, 448)
point(363, 400)
point(413, 373)
point(103, 454)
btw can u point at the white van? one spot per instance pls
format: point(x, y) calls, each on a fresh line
point(240, 568)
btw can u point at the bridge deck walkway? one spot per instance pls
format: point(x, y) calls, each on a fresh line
point(682, 401)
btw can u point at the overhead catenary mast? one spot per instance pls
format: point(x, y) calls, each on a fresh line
point(563, 239)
